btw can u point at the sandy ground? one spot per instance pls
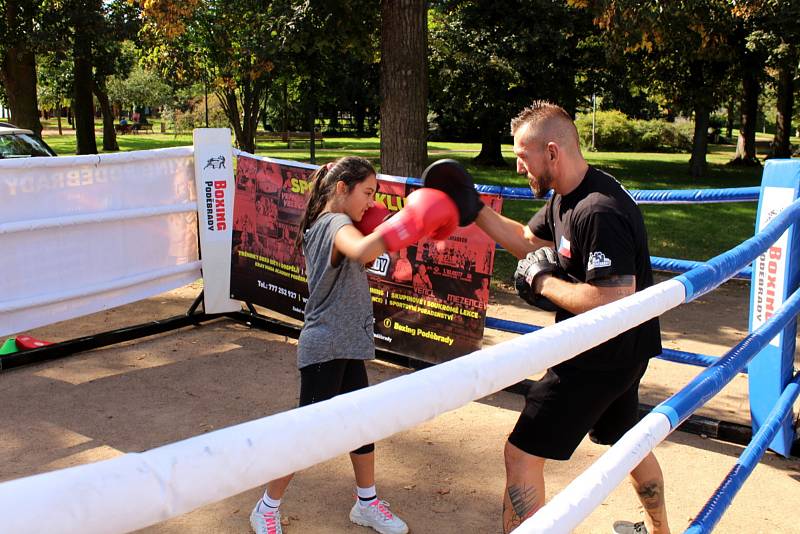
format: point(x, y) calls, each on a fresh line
point(445, 476)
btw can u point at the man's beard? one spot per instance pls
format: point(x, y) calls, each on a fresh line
point(541, 185)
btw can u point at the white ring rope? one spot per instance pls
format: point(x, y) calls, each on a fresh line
point(140, 489)
point(96, 289)
point(588, 490)
point(95, 218)
point(99, 159)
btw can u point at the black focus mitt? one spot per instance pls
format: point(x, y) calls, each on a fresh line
point(451, 177)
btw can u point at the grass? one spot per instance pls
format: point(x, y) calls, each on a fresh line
point(695, 232)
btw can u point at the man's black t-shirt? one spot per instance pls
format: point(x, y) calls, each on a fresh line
point(598, 232)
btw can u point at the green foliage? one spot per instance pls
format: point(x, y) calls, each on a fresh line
point(616, 131)
point(490, 59)
point(140, 88)
point(54, 80)
point(194, 116)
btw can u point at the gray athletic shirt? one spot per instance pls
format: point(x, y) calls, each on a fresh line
point(338, 315)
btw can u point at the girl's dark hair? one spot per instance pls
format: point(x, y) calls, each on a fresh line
point(351, 170)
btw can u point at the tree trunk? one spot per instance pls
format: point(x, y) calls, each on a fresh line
point(360, 115)
point(783, 120)
point(109, 135)
point(729, 122)
point(18, 75)
point(404, 87)
point(491, 154)
point(333, 117)
point(58, 115)
point(18, 69)
point(246, 124)
point(84, 105)
point(312, 120)
point(746, 144)
point(231, 107)
point(697, 164)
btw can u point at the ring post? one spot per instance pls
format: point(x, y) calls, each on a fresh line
point(774, 278)
point(213, 170)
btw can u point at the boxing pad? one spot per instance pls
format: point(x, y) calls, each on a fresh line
point(451, 177)
point(372, 218)
point(28, 342)
point(535, 264)
point(427, 212)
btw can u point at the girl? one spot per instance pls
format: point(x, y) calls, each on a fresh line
point(337, 335)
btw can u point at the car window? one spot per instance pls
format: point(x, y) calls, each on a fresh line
point(22, 146)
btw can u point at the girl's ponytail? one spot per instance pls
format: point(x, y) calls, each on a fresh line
point(316, 202)
point(350, 170)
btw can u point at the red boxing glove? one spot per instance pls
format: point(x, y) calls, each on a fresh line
point(428, 212)
point(372, 218)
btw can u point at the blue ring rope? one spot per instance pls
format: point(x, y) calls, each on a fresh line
point(718, 269)
point(670, 355)
point(641, 196)
point(711, 381)
point(672, 265)
point(682, 266)
point(646, 196)
point(712, 512)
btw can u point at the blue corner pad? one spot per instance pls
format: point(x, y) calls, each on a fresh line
point(670, 414)
point(688, 285)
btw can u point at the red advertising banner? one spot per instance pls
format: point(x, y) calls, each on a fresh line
point(429, 299)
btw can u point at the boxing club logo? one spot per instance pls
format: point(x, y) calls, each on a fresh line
point(597, 260)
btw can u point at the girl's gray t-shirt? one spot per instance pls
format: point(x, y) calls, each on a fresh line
point(338, 314)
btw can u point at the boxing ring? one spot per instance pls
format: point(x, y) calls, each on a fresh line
point(173, 479)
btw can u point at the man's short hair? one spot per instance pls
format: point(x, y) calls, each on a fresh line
point(542, 112)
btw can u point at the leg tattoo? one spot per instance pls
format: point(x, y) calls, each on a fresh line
point(523, 504)
point(652, 496)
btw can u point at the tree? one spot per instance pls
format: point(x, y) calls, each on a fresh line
point(684, 50)
point(776, 35)
point(324, 40)
point(142, 87)
point(83, 38)
point(19, 24)
point(120, 22)
point(232, 45)
point(245, 48)
point(84, 21)
point(404, 87)
point(54, 83)
point(489, 60)
point(751, 56)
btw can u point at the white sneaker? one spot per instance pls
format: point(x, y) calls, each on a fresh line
point(626, 527)
point(266, 522)
point(378, 516)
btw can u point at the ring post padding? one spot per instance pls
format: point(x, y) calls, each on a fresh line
point(775, 276)
point(213, 173)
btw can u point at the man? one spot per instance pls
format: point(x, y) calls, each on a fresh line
point(602, 255)
point(421, 281)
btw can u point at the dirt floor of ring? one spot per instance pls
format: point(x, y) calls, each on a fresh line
point(443, 476)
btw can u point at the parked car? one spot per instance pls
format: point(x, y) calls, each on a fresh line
point(20, 143)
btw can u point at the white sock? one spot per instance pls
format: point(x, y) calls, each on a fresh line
point(268, 504)
point(366, 496)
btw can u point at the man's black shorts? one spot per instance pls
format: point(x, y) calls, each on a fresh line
point(568, 402)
